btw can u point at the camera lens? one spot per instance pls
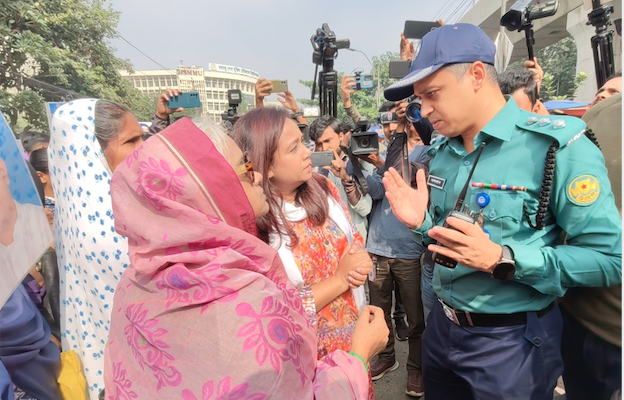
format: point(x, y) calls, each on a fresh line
point(412, 112)
point(365, 142)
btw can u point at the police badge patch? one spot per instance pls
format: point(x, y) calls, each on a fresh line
point(584, 190)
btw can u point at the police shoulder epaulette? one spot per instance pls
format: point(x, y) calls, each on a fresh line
point(564, 129)
point(436, 145)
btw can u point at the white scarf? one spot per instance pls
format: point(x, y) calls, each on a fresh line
point(295, 213)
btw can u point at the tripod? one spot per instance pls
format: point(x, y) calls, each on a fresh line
point(328, 86)
point(602, 42)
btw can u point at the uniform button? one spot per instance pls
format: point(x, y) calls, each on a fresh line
point(537, 341)
point(492, 214)
point(466, 162)
point(446, 287)
point(544, 121)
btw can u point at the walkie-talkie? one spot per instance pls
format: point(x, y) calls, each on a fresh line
point(459, 212)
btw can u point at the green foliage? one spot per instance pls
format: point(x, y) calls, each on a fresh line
point(364, 100)
point(559, 61)
point(60, 43)
point(549, 87)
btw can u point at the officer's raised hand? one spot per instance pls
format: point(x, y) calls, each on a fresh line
point(408, 205)
point(468, 245)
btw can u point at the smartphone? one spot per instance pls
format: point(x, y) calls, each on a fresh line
point(362, 82)
point(418, 29)
point(185, 100)
point(399, 69)
point(279, 86)
point(322, 158)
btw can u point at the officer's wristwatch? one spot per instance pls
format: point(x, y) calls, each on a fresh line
point(505, 268)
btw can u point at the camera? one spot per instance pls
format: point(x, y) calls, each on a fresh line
point(388, 117)
point(521, 13)
point(325, 44)
point(362, 140)
point(235, 98)
point(361, 81)
point(412, 112)
point(520, 17)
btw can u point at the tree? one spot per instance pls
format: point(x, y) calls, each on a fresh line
point(559, 61)
point(56, 50)
point(364, 100)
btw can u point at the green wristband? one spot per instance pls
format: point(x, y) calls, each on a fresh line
point(361, 359)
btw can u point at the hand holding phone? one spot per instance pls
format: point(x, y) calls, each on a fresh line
point(322, 158)
point(418, 29)
point(184, 100)
point(279, 86)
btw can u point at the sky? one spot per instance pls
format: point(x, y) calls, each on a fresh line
point(271, 37)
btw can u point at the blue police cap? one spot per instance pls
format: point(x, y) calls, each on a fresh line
point(448, 44)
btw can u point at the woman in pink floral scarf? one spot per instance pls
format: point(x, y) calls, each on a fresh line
point(205, 310)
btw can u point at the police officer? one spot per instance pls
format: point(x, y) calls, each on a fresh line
point(545, 221)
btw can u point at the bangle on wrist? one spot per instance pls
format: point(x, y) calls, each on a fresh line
point(354, 354)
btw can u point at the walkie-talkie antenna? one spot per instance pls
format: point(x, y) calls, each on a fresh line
point(462, 194)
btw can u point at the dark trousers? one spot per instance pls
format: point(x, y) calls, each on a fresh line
point(521, 362)
point(399, 310)
point(592, 366)
point(406, 273)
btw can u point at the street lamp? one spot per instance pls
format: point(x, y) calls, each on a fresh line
point(373, 68)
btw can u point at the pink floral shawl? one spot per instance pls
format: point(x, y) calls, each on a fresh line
point(205, 310)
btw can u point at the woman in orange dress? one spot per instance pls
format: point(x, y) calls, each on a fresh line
point(309, 226)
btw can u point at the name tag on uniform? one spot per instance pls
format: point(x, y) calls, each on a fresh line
point(436, 182)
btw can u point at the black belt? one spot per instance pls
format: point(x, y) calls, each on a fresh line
point(465, 318)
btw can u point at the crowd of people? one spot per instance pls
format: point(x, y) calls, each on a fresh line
point(196, 262)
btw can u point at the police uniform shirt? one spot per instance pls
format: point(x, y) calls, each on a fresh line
point(581, 205)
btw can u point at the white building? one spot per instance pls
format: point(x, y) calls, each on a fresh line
point(212, 85)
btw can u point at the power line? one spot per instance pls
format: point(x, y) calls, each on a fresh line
point(139, 50)
point(464, 7)
point(45, 84)
point(449, 10)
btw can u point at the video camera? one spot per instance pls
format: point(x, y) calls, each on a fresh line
point(362, 140)
point(325, 45)
point(521, 15)
point(235, 98)
point(325, 52)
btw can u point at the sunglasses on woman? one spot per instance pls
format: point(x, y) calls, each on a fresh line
point(246, 168)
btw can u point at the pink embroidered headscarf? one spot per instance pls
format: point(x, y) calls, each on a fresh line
point(205, 310)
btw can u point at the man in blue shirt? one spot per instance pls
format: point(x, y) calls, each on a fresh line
point(397, 253)
point(545, 219)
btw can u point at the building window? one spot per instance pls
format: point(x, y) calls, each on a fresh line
point(220, 84)
point(208, 83)
point(227, 84)
point(175, 82)
point(209, 96)
point(162, 82)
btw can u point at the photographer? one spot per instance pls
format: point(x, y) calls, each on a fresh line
point(397, 253)
point(327, 133)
